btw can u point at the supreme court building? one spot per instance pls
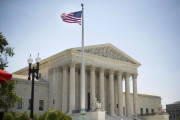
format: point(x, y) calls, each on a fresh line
point(108, 72)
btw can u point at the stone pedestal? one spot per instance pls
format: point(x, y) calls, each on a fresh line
point(96, 115)
point(156, 117)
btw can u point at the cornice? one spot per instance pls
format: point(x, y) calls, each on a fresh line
point(105, 59)
point(70, 55)
point(112, 47)
point(47, 60)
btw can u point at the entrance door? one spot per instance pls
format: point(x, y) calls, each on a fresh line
point(89, 103)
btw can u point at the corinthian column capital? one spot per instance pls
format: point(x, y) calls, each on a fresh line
point(65, 68)
point(111, 71)
point(92, 68)
point(101, 70)
point(134, 76)
point(127, 75)
point(119, 72)
point(72, 65)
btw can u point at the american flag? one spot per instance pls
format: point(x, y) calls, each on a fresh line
point(73, 17)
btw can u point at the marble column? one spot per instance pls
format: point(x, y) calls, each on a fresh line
point(135, 101)
point(65, 90)
point(54, 76)
point(72, 88)
point(79, 76)
point(120, 94)
point(59, 93)
point(56, 89)
point(102, 89)
point(111, 92)
point(77, 82)
point(127, 95)
point(54, 83)
point(50, 99)
point(86, 89)
point(92, 84)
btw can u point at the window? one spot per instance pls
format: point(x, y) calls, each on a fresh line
point(53, 101)
point(152, 111)
point(29, 104)
point(19, 105)
point(141, 110)
point(123, 110)
point(41, 105)
point(117, 106)
point(147, 112)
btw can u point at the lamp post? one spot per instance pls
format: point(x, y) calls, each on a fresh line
point(35, 73)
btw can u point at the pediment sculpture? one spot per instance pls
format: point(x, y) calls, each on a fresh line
point(107, 52)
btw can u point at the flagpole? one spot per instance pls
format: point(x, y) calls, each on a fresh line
point(83, 111)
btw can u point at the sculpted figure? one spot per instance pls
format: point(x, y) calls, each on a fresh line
point(160, 109)
point(96, 105)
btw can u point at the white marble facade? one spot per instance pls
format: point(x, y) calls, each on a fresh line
point(107, 70)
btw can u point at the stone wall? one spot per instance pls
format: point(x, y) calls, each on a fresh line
point(23, 90)
point(156, 117)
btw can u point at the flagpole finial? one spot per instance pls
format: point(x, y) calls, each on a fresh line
point(82, 4)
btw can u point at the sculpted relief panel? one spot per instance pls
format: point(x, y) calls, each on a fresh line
point(107, 52)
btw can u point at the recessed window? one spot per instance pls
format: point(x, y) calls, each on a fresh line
point(141, 110)
point(53, 101)
point(41, 105)
point(19, 105)
point(152, 111)
point(147, 112)
point(29, 104)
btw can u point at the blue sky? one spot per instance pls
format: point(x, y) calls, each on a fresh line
point(146, 30)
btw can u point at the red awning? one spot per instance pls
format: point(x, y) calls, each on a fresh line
point(4, 76)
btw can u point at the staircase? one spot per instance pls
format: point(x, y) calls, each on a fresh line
point(121, 118)
point(76, 117)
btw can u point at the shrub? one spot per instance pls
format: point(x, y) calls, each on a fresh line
point(8, 116)
point(179, 118)
point(23, 116)
point(54, 115)
point(67, 117)
point(35, 117)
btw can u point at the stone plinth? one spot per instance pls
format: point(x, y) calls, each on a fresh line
point(157, 117)
point(96, 115)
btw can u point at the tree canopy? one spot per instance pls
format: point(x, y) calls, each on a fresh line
point(5, 52)
point(8, 96)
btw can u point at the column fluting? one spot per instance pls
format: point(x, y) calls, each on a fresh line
point(54, 88)
point(111, 88)
point(72, 88)
point(120, 94)
point(127, 95)
point(135, 101)
point(92, 84)
point(102, 89)
point(58, 89)
point(77, 91)
point(50, 79)
point(65, 90)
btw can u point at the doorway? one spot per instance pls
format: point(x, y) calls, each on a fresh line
point(89, 103)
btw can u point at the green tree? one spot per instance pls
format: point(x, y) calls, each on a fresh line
point(5, 52)
point(8, 96)
point(54, 115)
point(8, 116)
point(23, 116)
point(179, 118)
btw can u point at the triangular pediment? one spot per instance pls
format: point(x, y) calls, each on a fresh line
point(109, 51)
